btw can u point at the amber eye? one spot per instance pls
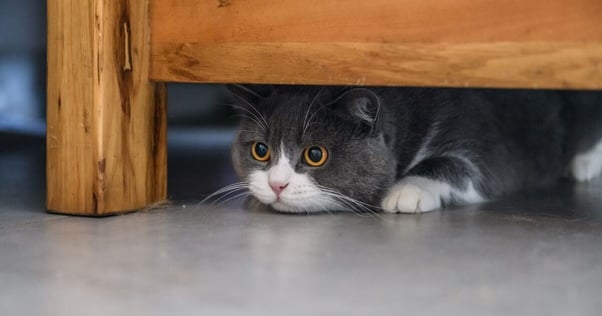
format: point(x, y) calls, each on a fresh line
point(260, 152)
point(315, 156)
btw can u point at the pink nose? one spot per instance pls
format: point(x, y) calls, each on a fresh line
point(278, 187)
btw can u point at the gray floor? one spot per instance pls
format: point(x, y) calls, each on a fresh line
point(537, 253)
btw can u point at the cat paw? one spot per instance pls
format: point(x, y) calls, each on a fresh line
point(411, 196)
point(585, 167)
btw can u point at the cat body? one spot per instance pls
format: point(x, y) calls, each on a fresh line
point(409, 149)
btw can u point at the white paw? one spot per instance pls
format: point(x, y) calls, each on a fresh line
point(585, 167)
point(412, 195)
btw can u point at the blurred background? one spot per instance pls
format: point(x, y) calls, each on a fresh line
point(200, 119)
point(22, 65)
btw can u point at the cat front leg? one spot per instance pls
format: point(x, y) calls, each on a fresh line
point(434, 183)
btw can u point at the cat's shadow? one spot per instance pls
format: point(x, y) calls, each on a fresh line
point(566, 200)
point(253, 205)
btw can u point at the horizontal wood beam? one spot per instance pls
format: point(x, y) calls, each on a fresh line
point(476, 43)
point(504, 65)
point(375, 21)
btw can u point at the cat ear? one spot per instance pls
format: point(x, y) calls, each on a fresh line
point(359, 104)
point(249, 93)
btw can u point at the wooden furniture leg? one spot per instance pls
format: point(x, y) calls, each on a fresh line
point(106, 122)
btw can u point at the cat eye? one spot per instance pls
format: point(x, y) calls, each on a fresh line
point(315, 156)
point(260, 152)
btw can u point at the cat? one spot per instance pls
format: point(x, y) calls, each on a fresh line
point(408, 150)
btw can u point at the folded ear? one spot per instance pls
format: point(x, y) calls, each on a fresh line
point(249, 93)
point(359, 104)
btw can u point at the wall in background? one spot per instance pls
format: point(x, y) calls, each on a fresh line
point(22, 64)
point(23, 77)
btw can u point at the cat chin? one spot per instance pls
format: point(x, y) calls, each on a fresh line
point(278, 205)
point(285, 208)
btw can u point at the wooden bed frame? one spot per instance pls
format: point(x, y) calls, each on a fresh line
point(106, 132)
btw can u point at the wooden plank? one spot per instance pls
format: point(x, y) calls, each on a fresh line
point(508, 65)
point(106, 131)
point(485, 43)
point(383, 21)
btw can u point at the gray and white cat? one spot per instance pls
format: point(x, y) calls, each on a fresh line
point(409, 150)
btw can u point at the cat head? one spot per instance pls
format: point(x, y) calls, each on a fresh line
point(311, 149)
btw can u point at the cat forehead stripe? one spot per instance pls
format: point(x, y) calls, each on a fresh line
point(283, 158)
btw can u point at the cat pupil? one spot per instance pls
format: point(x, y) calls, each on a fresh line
point(261, 149)
point(315, 154)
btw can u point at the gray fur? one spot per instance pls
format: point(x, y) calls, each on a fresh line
point(501, 141)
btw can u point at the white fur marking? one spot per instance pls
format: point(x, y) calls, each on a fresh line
point(282, 171)
point(418, 194)
point(587, 165)
point(259, 186)
point(470, 195)
point(301, 194)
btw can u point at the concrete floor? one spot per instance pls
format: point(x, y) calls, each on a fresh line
point(536, 253)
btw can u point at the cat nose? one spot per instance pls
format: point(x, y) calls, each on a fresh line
point(278, 186)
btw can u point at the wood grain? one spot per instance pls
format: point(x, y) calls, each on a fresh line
point(507, 65)
point(481, 43)
point(383, 21)
point(106, 131)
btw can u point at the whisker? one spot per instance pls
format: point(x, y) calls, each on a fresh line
point(237, 196)
point(250, 118)
point(225, 191)
point(345, 205)
point(358, 204)
point(254, 118)
point(350, 198)
point(357, 210)
point(309, 122)
point(248, 131)
point(259, 113)
point(253, 114)
point(225, 188)
point(308, 109)
point(339, 201)
point(351, 203)
point(256, 114)
point(226, 196)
